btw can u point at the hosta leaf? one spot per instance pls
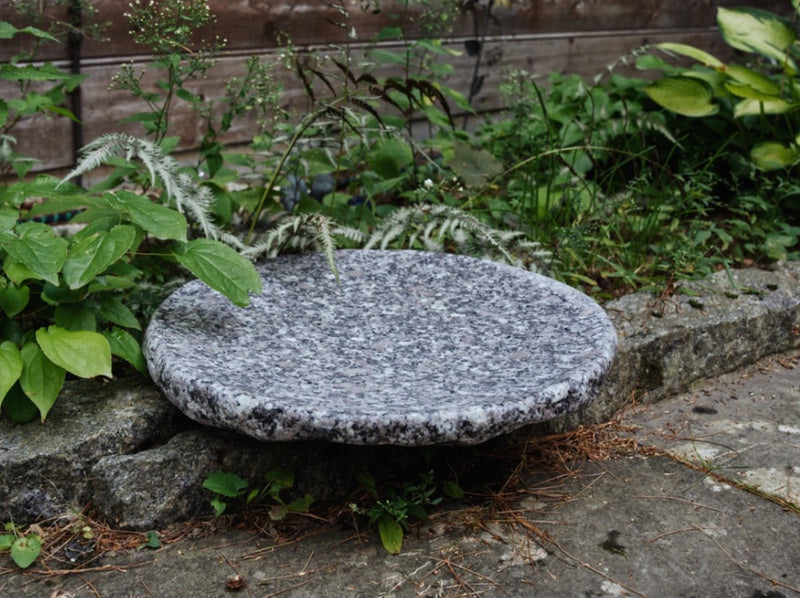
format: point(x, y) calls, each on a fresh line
point(221, 268)
point(83, 353)
point(125, 346)
point(757, 81)
point(772, 155)
point(41, 379)
point(39, 249)
point(691, 52)
point(685, 95)
point(10, 367)
point(158, 220)
point(759, 31)
point(92, 255)
point(754, 107)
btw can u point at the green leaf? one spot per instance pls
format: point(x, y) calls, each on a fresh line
point(691, 52)
point(92, 255)
point(225, 483)
point(684, 95)
point(758, 31)
point(160, 221)
point(278, 512)
point(8, 31)
point(221, 268)
point(75, 316)
point(45, 72)
point(13, 299)
point(39, 249)
point(391, 534)
point(301, 505)
point(474, 166)
point(113, 310)
point(3, 112)
point(390, 158)
point(219, 506)
point(751, 84)
point(26, 550)
point(751, 107)
point(82, 353)
point(153, 539)
point(772, 155)
point(7, 540)
point(453, 490)
point(10, 367)
point(123, 345)
point(41, 379)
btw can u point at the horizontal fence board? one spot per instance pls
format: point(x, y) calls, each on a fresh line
point(254, 25)
point(103, 110)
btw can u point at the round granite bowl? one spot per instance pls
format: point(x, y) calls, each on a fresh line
point(407, 348)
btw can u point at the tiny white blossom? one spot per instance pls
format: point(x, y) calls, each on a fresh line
point(428, 183)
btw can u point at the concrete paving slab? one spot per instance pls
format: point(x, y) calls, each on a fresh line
point(743, 427)
point(643, 525)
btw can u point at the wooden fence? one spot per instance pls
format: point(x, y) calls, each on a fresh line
point(540, 36)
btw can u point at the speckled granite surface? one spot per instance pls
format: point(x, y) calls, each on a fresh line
point(411, 348)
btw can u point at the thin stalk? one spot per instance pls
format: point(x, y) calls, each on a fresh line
point(304, 124)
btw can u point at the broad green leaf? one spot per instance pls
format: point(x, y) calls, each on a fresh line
point(160, 221)
point(684, 95)
point(125, 346)
point(83, 353)
point(758, 31)
point(41, 379)
point(759, 83)
point(26, 550)
point(7, 540)
point(390, 158)
point(225, 483)
point(474, 166)
point(8, 219)
point(691, 52)
point(751, 107)
point(116, 312)
point(391, 534)
point(772, 155)
point(94, 254)
point(13, 299)
point(221, 268)
point(10, 367)
point(39, 249)
point(75, 316)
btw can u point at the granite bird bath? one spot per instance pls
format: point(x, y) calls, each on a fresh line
point(408, 348)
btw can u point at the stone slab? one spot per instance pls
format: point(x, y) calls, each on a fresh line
point(45, 469)
point(406, 348)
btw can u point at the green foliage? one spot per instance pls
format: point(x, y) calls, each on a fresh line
point(392, 508)
point(23, 548)
point(230, 485)
point(759, 99)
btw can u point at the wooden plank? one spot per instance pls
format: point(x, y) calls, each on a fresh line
point(255, 24)
point(103, 109)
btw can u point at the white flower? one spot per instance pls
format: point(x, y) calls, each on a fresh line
point(427, 183)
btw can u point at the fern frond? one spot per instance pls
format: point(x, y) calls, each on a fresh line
point(434, 227)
